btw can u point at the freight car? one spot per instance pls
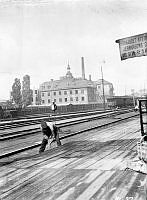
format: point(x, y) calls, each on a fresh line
point(120, 102)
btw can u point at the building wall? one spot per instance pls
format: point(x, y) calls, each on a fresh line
point(108, 89)
point(91, 94)
point(70, 96)
point(36, 97)
point(65, 97)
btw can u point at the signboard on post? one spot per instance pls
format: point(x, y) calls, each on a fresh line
point(134, 46)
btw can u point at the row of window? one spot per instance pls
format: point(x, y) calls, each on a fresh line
point(43, 87)
point(64, 100)
point(65, 92)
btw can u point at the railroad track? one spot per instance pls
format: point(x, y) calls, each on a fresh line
point(63, 137)
point(30, 131)
point(32, 121)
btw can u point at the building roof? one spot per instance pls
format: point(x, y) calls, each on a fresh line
point(99, 81)
point(67, 83)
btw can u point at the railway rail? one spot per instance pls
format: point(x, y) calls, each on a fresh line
point(30, 121)
point(116, 120)
point(24, 132)
point(36, 119)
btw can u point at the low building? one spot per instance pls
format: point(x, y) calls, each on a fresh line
point(104, 89)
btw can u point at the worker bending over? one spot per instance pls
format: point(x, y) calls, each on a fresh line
point(50, 132)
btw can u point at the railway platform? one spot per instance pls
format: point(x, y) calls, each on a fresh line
point(89, 166)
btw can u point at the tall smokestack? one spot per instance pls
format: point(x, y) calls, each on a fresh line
point(83, 68)
point(89, 77)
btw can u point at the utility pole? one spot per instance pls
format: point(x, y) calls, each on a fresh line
point(125, 90)
point(133, 96)
point(103, 89)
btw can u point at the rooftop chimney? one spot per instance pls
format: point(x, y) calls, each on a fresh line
point(89, 77)
point(83, 69)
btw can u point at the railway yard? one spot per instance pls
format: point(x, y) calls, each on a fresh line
point(91, 163)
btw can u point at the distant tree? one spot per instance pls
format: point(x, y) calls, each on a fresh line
point(16, 92)
point(27, 93)
point(27, 97)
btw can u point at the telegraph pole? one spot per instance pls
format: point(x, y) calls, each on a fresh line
point(103, 89)
point(133, 96)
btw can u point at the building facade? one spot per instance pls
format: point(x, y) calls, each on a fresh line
point(68, 90)
point(104, 90)
point(36, 97)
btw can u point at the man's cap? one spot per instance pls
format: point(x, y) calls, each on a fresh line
point(43, 124)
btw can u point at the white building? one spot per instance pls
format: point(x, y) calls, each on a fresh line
point(68, 90)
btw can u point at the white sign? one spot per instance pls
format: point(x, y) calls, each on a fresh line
point(134, 46)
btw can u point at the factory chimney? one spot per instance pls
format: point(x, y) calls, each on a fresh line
point(83, 69)
point(89, 77)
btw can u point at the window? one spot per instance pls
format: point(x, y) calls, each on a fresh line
point(76, 91)
point(49, 101)
point(42, 94)
point(76, 98)
point(43, 101)
point(65, 99)
point(70, 91)
point(82, 91)
point(54, 93)
point(65, 92)
point(60, 99)
point(35, 91)
point(48, 86)
point(82, 98)
point(54, 100)
point(48, 93)
point(71, 99)
point(59, 92)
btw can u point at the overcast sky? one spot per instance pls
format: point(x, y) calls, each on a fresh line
point(39, 39)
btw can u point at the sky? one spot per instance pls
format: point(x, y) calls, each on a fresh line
point(40, 37)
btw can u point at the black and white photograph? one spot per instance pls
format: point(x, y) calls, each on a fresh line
point(73, 100)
